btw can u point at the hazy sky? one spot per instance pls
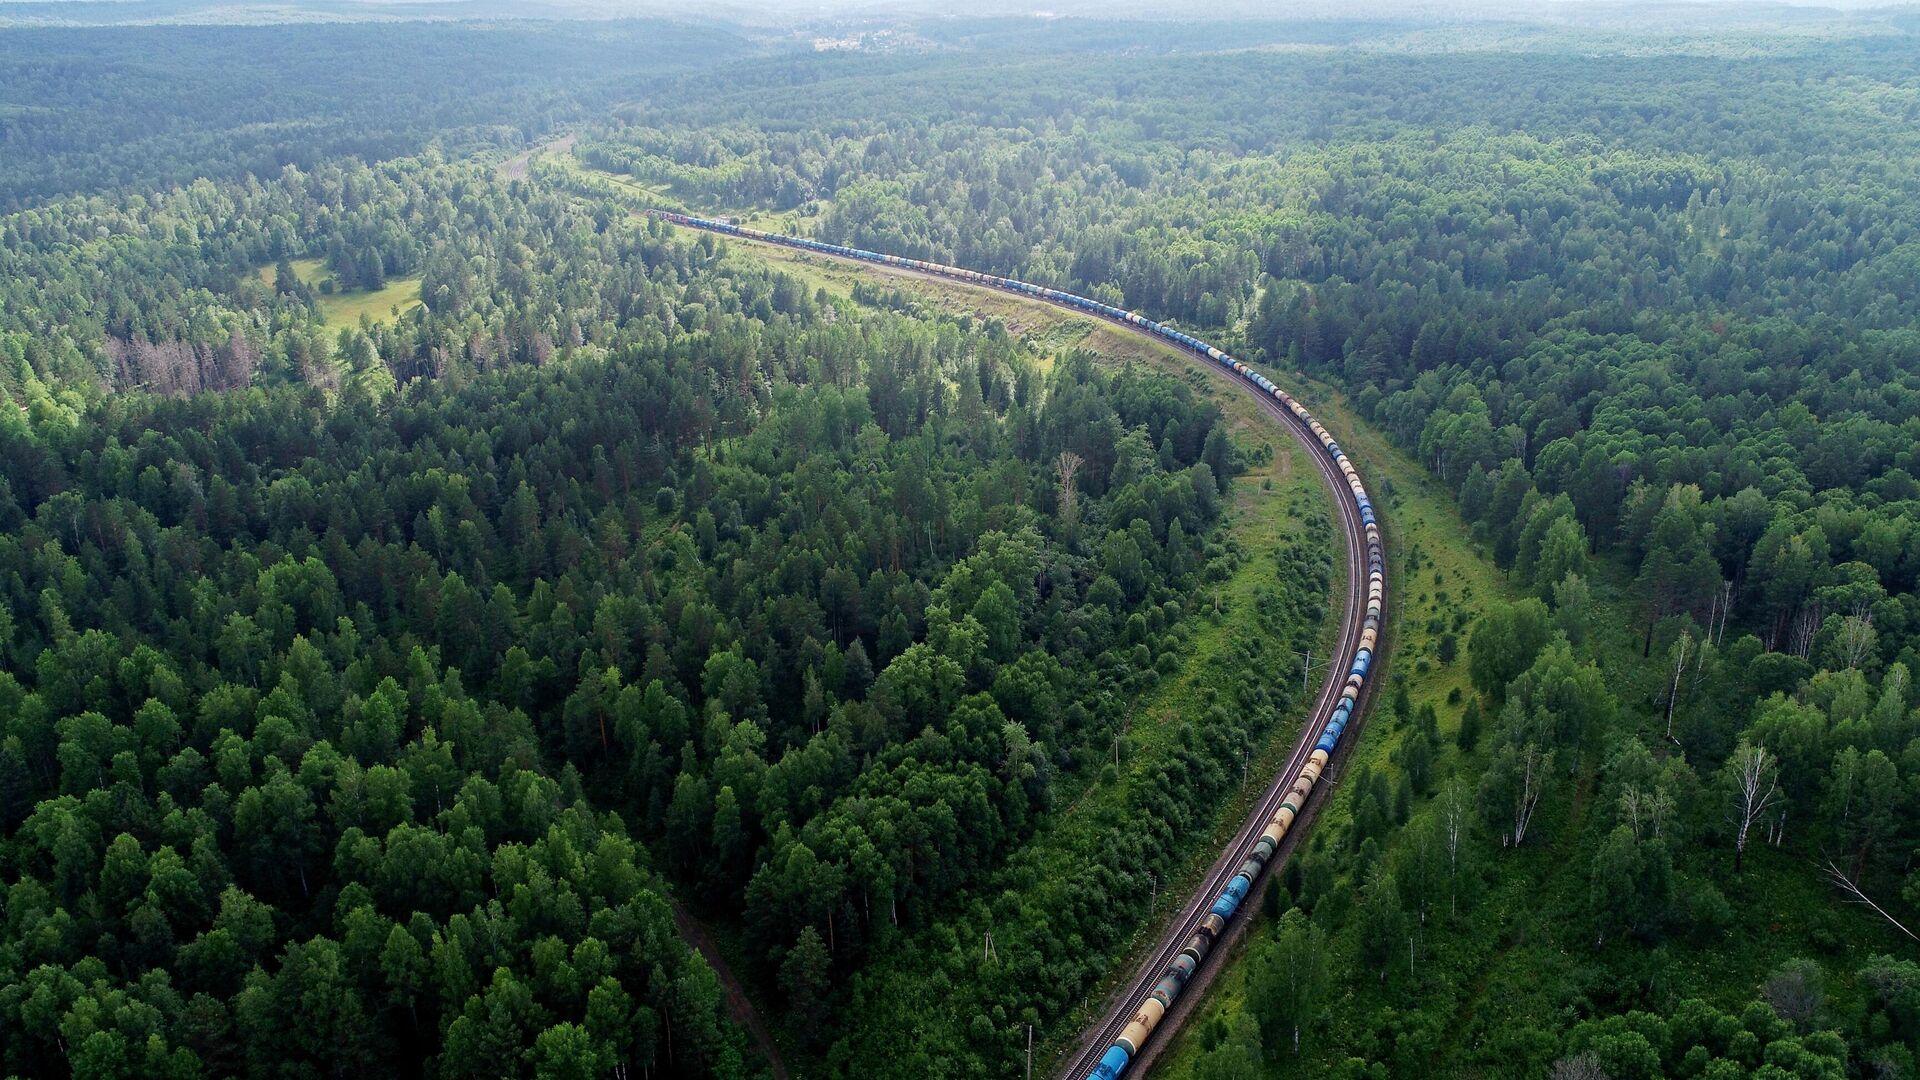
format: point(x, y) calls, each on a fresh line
point(1653, 16)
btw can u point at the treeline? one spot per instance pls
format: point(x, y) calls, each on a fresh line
point(144, 109)
point(951, 192)
point(706, 166)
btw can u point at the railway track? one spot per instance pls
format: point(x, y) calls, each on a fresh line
point(1127, 1002)
point(1168, 983)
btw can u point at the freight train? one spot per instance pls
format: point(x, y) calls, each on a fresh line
point(1127, 1046)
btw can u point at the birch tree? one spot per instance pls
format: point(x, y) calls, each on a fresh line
point(1454, 820)
point(1511, 789)
point(1753, 776)
point(1681, 652)
point(1455, 811)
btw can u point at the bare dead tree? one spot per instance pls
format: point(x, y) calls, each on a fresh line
point(1800, 636)
point(173, 368)
point(1580, 1067)
point(1857, 637)
point(1756, 783)
point(236, 361)
point(1795, 992)
point(1852, 888)
point(1069, 465)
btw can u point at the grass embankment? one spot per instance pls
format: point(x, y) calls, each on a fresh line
point(641, 195)
point(1439, 580)
point(1048, 332)
point(338, 309)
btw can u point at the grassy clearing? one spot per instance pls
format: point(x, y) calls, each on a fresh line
point(310, 272)
point(381, 305)
point(641, 194)
point(339, 309)
point(621, 182)
point(1048, 332)
point(520, 166)
point(789, 222)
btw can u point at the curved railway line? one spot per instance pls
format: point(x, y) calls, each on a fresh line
point(1126, 1004)
point(1156, 996)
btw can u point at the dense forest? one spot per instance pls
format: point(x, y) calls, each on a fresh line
point(146, 109)
point(1651, 322)
point(378, 682)
point(427, 583)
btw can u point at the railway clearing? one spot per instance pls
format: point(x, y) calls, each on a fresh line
point(1217, 911)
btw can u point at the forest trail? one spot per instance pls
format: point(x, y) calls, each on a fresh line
point(738, 1003)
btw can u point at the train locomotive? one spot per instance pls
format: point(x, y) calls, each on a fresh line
point(1229, 900)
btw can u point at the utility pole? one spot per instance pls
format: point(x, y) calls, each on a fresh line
point(1029, 1052)
point(1306, 669)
